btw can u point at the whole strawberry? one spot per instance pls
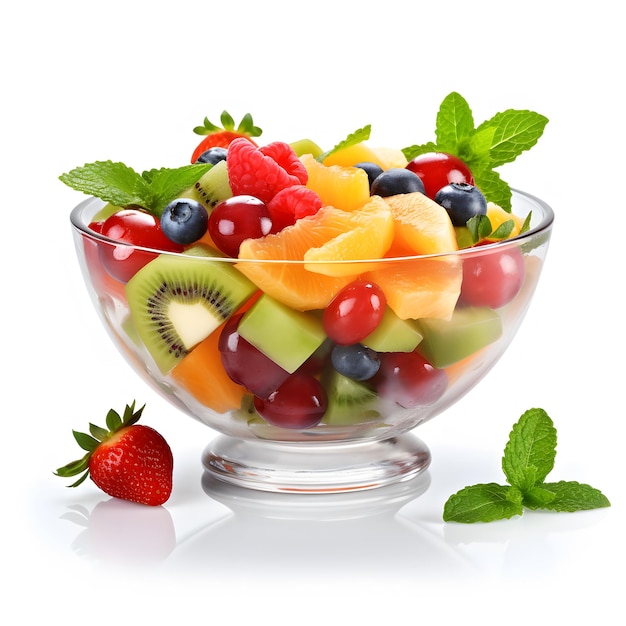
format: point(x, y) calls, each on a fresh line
point(128, 461)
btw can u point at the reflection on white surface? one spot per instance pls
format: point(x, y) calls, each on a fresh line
point(215, 530)
point(357, 533)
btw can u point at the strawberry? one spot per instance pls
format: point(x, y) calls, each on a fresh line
point(221, 137)
point(128, 461)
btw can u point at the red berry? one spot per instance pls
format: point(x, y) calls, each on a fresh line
point(128, 461)
point(438, 169)
point(300, 402)
point(292, 203)
point(492, 278)
point(263, 172)
point(236, 219)
point(137, 228)
point(245, 364)
point(409, 379)
point(354, 312)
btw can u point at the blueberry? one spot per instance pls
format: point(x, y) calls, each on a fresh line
point(212, 155)
point(373, 170)
point(184, 221)
point(355, 361)
point(396, 180)
point(462, 201)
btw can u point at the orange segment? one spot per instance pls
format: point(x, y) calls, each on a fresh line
point(345, 188)
point(417, 288)
point(292, 283)
point(497, 216)
point(369, 238)
point(202, 375)
point(421, 225)
point(383, 157)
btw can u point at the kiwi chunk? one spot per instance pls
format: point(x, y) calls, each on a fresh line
point(212, 187)
point(349, 401)
point(467, 331)
point(177, 301)
point(285, 336)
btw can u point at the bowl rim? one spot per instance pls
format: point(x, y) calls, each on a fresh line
point(78, 223)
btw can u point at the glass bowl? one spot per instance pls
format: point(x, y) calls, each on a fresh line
point(363, 440)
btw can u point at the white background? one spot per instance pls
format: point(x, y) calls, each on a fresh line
point(128, 81)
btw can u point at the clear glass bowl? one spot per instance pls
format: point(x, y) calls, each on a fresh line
point(367, 444)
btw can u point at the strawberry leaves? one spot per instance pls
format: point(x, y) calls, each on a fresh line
point(97, 435)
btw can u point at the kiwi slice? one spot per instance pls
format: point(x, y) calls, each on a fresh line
point(177, 301)
point(394, 334)
point(213, 187)
point(349, 401)
point(286, 336)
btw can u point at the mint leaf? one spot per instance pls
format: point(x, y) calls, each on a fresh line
point(493, 187)
point(410, 152)
point(493, 143)
point(528, 458)
point(358, 136)
point(530, 452)
point(570, 496)
point(166, 184)
point(483, 503)
point(112, 182)
point(513, 133)
point(122, 186)
point(455, 123)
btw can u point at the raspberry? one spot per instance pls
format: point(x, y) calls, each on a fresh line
point(292, 203)
point(263, 172)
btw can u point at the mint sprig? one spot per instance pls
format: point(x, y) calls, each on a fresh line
point(528, 458)
point(358, 136)
point(498, 140)
point(122, 186)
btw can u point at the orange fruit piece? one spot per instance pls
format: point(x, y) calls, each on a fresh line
point(497, 216)
point(421, 225)
point(369, 238)
point(201, 374)
point(290, 282)
point(383, 157)
point(417, 288)
point(345, 188)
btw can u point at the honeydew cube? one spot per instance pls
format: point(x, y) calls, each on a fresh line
point(467, 331)
point(394, 335)
point(286, 336)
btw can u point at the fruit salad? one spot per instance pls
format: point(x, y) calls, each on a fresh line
point(290, 292)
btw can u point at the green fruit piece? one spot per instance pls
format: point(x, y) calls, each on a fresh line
point(448, 341)
point(464, 238)
point(106, 211)
point(177, 301)
point(213, 187)
point(306, 146)
point(286, 336)
point(204, 250)
point(349, 401)
point(394, 334)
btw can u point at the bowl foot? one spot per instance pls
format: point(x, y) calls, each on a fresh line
point(315, 468)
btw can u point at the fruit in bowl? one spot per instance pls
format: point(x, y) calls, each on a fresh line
point(313, 307)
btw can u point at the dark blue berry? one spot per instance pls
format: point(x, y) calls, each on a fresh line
point(462, 201)
point(356, 361)
point(396, 180)
point(212, 155)
point(373, 170)
point(184, 221)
